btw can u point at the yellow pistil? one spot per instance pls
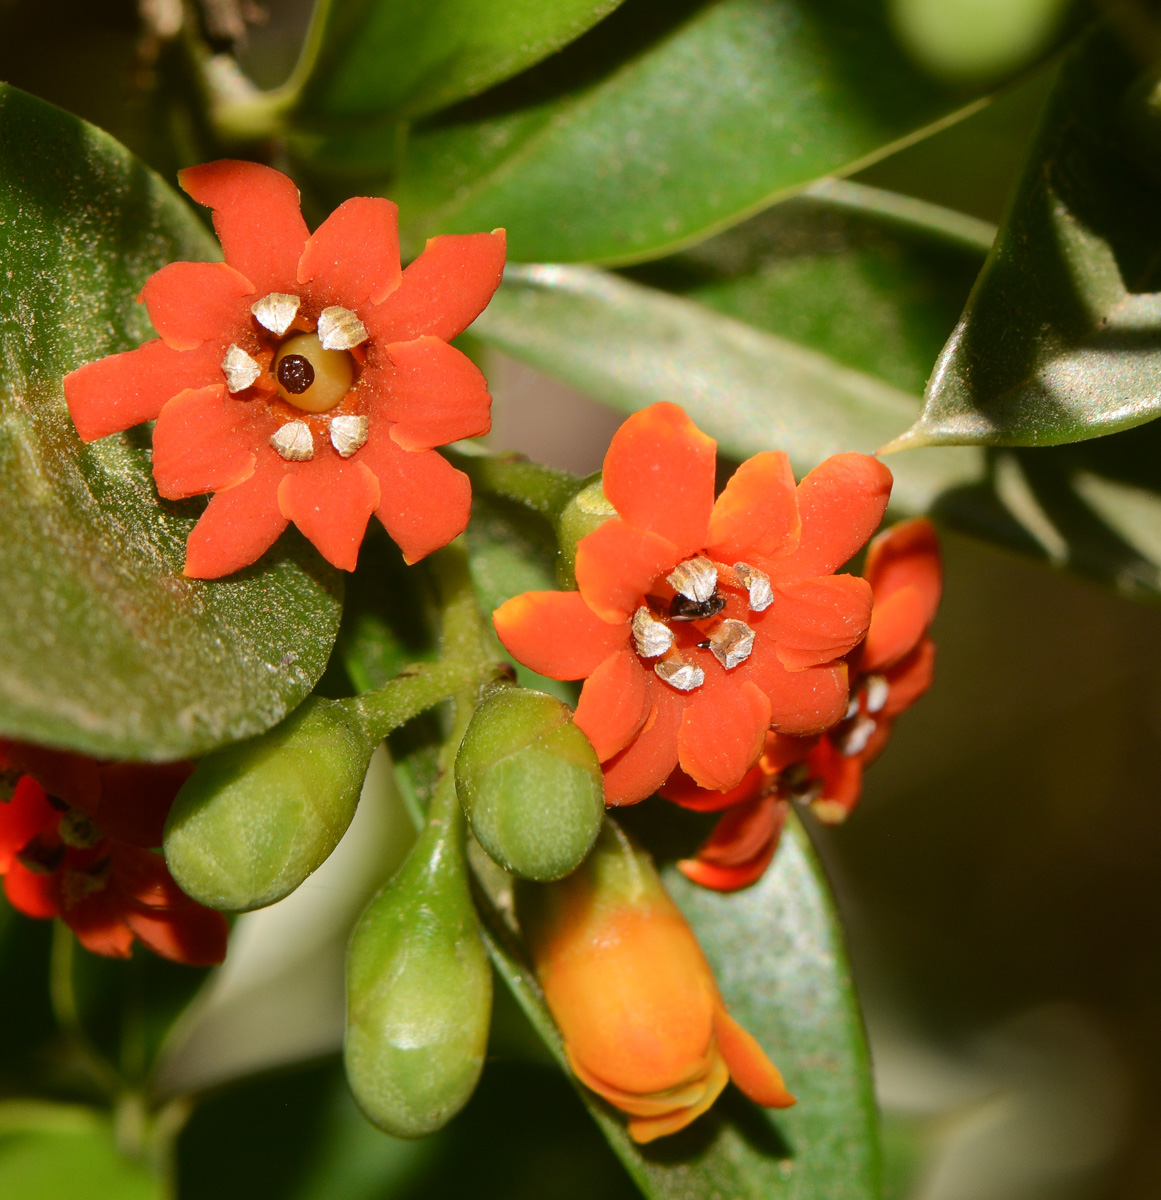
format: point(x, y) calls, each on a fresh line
point(310, 377)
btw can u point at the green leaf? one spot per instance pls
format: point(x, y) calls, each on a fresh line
point(629, 346)
point(664, 124)
point(375, 58)
point(777, 952)
point(107, 647)
point(52, 1150)
point(1061, 339)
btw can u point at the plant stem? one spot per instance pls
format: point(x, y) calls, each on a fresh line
point(63, 998)
point(513, 477)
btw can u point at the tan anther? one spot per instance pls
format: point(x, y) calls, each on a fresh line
point(240, 369)
point(650, 636)
point(731, 643)
point(294, 442)
point(853, 738)
point(349, 434)
point(679, 674)
point(696, 579)
point(276, 311)
point(78, 829)
point(340, 329)
point(876, 690)
point(757, 584)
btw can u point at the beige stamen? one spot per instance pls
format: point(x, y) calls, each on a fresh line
point(349, 434)
point(679, 674)
point(876, 690)
point(853, 740)
point(651, 637)
point(340, 329)
point(294, 442)
point(78, 829)
point(731, 643)
point(240, 369)
point(276, 311)
point(696, 580)
point(757, 583)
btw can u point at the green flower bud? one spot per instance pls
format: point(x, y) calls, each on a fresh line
point(255, 819)
point(580, 516)
point(419, 988)
point(530, 784)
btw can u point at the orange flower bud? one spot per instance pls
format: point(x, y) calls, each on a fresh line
point(636, 1002)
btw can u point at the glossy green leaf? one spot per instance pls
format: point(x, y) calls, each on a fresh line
point(665, 123)
point(629, 346)
point(107, 647)
point(367, 59)
point(1061, 339)
point(777, 952)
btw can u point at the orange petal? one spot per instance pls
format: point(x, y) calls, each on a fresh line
point(434, 394)
point(425, 501)
point(840, 503)
point(645, 764)
point(646, 1104)
point(683, 791)
point(444, 290)
point(31, 892)
point(802, 703)
point(648, 1129)
point(201, 443)
point(722, 732)
point(782, 751)
point(331, 502)
point(614, 703)
point(353, 255)
point(256, 217)
point(749, 1067)
point(191, 303)
point(25, 815)
point(842, 782)
point(659, 476)
point(818, 620)
point(121, 391)
point(717, 878)
point(907, 555)
point(143, 877)
point(897, 624)
point(189, 934)
point(98, 920)
point(910, 678)
point(617, 564)
point(756, 516)
point(744, 832)
point(557, 634)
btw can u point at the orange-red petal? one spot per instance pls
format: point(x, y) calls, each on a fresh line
point(907, 555)
point(614, 703)
point(190, 303)
point(122, 390)
point(444, 290)
point(649, 759)
point(22, 818)
point(717, 878)
point(616, 565)
point(98, 920)
point(749, 1066)
point(756, 516)
point(331, 502)
point(818, 620)
point(841, 777)
point(840, 503)
point(189, 934)
point(557, 634)
point(744, 832)
point(722, 731)
point(802, 703)
point(659, 476)
point(897, 624)
point(434, 394)
point(424, 501)
point(682, 790)
point(910, 678)
point(256, 216)
point(239, 525)
point(30, 892)
point(353, 255)
point(201, 443)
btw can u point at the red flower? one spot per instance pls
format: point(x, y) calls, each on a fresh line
point(698, 624)
point(306, 378)
point(74, 838)
point(891, 670)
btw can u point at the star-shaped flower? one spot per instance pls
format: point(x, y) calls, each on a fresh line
point(307, 378)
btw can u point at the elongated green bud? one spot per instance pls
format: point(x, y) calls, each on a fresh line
point(580, 516)
point(419, 987)
point(530, 784)
point(254, 820)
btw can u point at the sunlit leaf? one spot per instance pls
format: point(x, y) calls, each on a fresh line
point(107, 647)
point(1061, 339)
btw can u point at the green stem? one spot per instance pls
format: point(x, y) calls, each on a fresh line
point(513, 477)
point(63, 998)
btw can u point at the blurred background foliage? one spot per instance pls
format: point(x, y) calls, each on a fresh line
point(997, 883)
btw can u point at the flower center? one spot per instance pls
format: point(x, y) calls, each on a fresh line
point(310, 377)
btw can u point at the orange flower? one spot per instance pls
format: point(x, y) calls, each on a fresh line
point(637, 1005)
point(699, 624)
point(890, 671)
point(74, 838)
point(306, 378)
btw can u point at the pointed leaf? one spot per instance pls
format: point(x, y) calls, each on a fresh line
point(107, 647)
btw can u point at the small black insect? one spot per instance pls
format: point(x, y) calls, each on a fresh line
point(681, 608)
